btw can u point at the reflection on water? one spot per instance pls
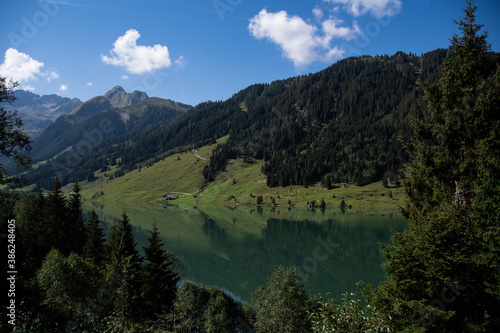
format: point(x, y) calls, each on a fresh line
point(237, 248)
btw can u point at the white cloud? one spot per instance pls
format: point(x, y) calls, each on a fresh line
point(124, 77)
point(333, 29)
point(294, 36)
point(49, 75)
point(63, 87)
point(90, 84)
point(377, 8)
point(27, 88)
point(318, 13)
point(20, 66)
point(137, 59)
point(302, 42)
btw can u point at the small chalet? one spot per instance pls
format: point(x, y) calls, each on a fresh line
point(170, 197)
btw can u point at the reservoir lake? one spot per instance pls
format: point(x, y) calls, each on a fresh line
point(237, 248)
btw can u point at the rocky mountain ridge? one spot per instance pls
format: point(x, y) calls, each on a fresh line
point(38, 112)
point(119, 98)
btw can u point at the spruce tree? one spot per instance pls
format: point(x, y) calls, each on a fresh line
point(94, 248)
point(55, 220)
point(160, 276)
point(444, 271)
point(32, 241)
point(122, 243)
point(76, 223)
point(124, 269)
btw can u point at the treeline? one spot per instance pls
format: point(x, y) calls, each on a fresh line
point(339, 125)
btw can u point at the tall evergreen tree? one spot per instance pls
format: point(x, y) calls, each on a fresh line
point(124, 270)
point(444, 271)
point(94, 248)
point(161, 276)
point(32, 236)
point(122, 243)
point(75, 220)
point(55, 221)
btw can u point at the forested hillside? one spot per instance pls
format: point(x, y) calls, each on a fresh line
point(339, 125)
point(102, 116)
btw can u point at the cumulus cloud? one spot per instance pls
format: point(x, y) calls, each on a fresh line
point(137, 59)
point(20, 66)
point(302, 42)
point(295, 37)
point(124, 77)
point(377, 8)
point(63, 87)
point(90, 84)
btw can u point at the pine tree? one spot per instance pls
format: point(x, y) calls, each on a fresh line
point(444, 271)
point(122, 243)
point(55, 220)
point(94, 248)
point(32, 240)
point(76, 222)
point(161, 276)
point(124, 269)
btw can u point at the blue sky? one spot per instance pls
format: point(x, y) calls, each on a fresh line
point(196, 50)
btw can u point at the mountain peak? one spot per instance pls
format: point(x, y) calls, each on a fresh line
point(119, 98)
point(115, 90)
point(37, 111)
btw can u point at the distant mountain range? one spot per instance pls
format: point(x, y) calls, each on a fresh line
point(113, 114)
point(38, 112)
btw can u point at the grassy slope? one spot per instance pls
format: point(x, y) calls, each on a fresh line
point(177, 174)
point(239, 184)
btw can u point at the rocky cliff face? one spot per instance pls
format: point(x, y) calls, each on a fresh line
point(38, 112)
point(119, 98)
